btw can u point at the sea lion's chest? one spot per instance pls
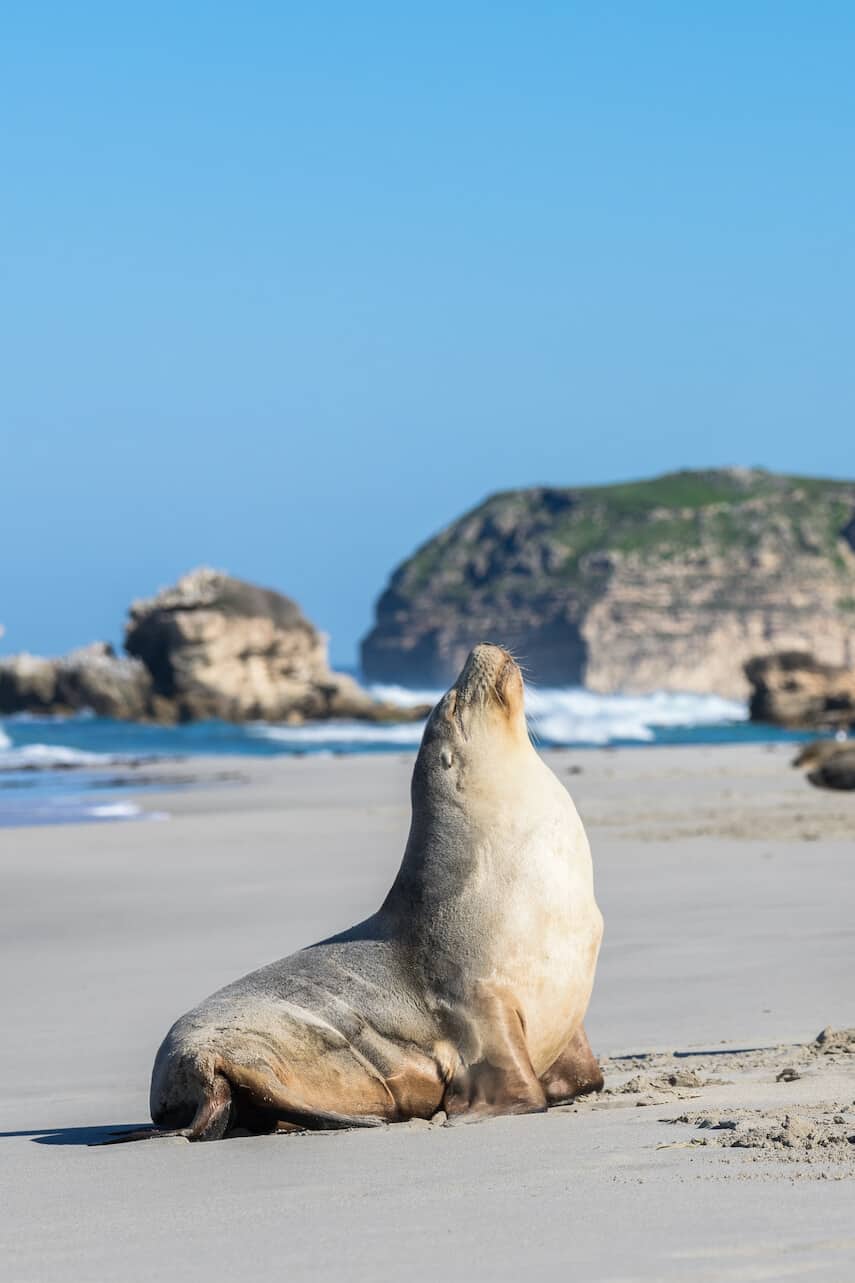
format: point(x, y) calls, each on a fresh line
point(527, 923)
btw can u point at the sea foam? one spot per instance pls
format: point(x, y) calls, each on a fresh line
point(114, 811)
point(575, 716)
point(558, 717)
point(342, 735)
point(47, 757)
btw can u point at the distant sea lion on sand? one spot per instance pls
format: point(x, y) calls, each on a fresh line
point(816, 752)
point(465, 992)
point(833, 763)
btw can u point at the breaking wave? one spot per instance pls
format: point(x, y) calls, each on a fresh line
point(561, 718)
point(47, 757)
point(557, 717)
point(342, 735)
point(121, 811)
point(567, 717)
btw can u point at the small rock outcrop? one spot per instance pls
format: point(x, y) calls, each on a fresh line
point(795, 689)
point(671, 583)
point(209, 647)
point(217, 647)
point(93, 677)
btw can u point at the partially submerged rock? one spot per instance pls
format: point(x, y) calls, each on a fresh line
point(792, 688)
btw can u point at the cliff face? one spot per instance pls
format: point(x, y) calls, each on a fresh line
point(668, 584)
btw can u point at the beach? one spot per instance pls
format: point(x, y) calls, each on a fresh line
point(727, 885)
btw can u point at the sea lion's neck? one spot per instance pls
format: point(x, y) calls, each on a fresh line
point(438, 859)
point(448, 846)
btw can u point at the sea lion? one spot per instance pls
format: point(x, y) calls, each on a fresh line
point(835, 770)
point(816, 752)
point(465, 992)
point(832, 763)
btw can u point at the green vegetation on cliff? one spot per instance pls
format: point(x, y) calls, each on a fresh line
point(721, 510)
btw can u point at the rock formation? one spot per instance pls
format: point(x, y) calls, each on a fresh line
point(217, 647)
point(93, 677)
point(209, 647)
point(794, 689)
point(668, 584)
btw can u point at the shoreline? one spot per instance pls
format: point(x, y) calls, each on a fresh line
point(72, 791)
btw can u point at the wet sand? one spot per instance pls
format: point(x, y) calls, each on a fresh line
point(720, 1149)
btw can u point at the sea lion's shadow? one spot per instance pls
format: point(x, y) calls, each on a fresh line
point(71, 1135)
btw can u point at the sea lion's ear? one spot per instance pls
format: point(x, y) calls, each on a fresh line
point(446, 758)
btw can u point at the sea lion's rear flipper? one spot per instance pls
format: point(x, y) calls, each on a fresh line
point(574, 1073)
point(499, 1078)
point(265, 1095)
point(210, 1121)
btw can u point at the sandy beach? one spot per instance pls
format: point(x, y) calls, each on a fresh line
point(723, 1147)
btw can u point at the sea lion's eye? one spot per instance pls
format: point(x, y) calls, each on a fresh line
point(446, 758)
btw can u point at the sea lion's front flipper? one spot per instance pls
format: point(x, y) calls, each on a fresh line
point(574, 1073)
point(498, 1078)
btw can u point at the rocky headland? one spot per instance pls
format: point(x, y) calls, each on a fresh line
point(209, 647)
point(674, 583)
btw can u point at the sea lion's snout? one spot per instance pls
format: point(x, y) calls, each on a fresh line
point(490, 675)
point(487, 699)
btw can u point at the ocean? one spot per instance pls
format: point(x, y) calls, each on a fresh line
point(56, 770)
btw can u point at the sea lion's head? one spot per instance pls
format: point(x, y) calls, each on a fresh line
point(476, 739)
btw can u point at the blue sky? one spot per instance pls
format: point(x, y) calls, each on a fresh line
point(288, 287)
